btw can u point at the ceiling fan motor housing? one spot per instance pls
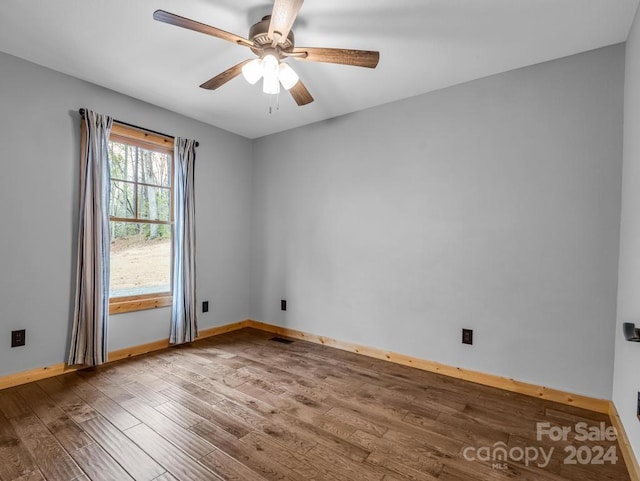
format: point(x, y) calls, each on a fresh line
point(259, 35)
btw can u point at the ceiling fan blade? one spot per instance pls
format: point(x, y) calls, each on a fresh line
point(172, 19)
point(282, 17)
point(300, 94)
point(224, 77)
point(357, 58)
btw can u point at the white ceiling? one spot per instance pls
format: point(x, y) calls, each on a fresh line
point(424, 45)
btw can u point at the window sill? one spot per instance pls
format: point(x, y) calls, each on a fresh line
point(122, 305)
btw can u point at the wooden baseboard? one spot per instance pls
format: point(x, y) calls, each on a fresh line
point(37, 374)
point(625, 446)
point(40, 373)
point(585, 402)
point(138, 350)
point(216, 331)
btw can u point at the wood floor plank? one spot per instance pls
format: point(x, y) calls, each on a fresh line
point(450, 473)
point(15, 460)
point(251, 457)
point(236, 394)
point(228, 468)
point(136, 462)
point(298, 367)
point(299, 435)
point(115, 393)
point(98, 465)
point(385, 452)
point(205, 367)
point(40, 403)
point(342, 468)
point(145, 393)
point(205, 388)
point(213, 354)
point(230, 424)
point(12, 404)
point(575, 415)
point(184, 380)
point(76, 408)
point(402, 470)
point(263, 444)
point(32, 476)
point(193, 445)
point(285, 433)
point(457, 429)
point(165, 477)
point(66, 432)
point(179, 415)
point(106, 406)
point(54, 462)
point(291, 432)
point(442, 444)
point(151, 380)
point(357, 419)
point(174, 460)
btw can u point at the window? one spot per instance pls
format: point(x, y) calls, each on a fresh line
point(141, 219)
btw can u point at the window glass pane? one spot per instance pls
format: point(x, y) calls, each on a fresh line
point(122, 201)
point(140, 259)
point(122, 158)
point(154, 203)
point(154, 168)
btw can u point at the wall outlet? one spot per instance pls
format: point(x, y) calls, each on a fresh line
point(467, 336)
point(18, 338)
point(283, 305)
point(205, 306)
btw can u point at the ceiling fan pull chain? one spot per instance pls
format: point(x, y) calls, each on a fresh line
point(277, 103)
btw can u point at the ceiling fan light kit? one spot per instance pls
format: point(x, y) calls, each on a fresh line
point(288, 77)
point(272, 40)
point(269, 51)
point(272, 71)
point(252, 72)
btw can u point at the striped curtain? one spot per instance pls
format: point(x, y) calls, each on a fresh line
point(91, 313)
point(184, 324)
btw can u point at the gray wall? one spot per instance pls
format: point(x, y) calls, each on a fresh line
point(627, 363)
point(492, 205)
point(39, 154)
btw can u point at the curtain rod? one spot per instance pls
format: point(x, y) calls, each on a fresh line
point(82, 111)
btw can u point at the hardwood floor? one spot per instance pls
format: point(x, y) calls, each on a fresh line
point(243, 407)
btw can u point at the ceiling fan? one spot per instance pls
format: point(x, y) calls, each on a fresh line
point(272, 40)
